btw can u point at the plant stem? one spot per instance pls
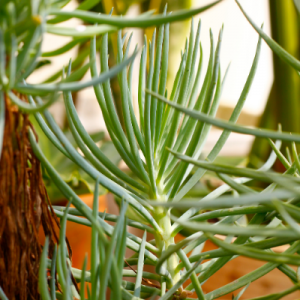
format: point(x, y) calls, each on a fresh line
point(165, 240)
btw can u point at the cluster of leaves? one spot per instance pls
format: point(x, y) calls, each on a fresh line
point(163, 150)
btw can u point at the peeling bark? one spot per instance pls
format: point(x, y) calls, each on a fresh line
point(25, 210)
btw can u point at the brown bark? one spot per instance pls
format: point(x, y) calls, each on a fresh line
point(23, 210)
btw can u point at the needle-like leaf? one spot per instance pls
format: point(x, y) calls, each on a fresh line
point(276, 48)
point(139, 278)
point(72, 86)
point(143, 21)
point(43, 286)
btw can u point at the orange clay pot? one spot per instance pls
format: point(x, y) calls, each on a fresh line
point(79, 236)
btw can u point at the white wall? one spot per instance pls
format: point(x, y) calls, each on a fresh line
point(238, 47)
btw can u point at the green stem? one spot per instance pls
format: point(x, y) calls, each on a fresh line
point(165, 240)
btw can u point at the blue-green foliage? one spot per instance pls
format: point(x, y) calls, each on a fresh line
point(162, 149)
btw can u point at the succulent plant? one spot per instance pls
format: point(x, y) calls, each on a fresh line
point(162, 147)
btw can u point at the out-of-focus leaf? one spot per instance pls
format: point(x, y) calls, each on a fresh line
point(297, 4)
point(42, 63)
point(141, 21)
point(80, 31)
point(238, 296)
point(97, 136)
point(73, 175)
point(278, 296)
point(110, 151)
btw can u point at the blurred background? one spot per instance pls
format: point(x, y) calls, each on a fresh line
point(238, 48)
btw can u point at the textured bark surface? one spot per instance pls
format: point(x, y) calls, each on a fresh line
point(23, 210)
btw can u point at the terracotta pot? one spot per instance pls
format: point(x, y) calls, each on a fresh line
point(79, 236)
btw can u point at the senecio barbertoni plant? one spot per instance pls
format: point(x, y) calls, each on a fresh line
point(162, 149)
